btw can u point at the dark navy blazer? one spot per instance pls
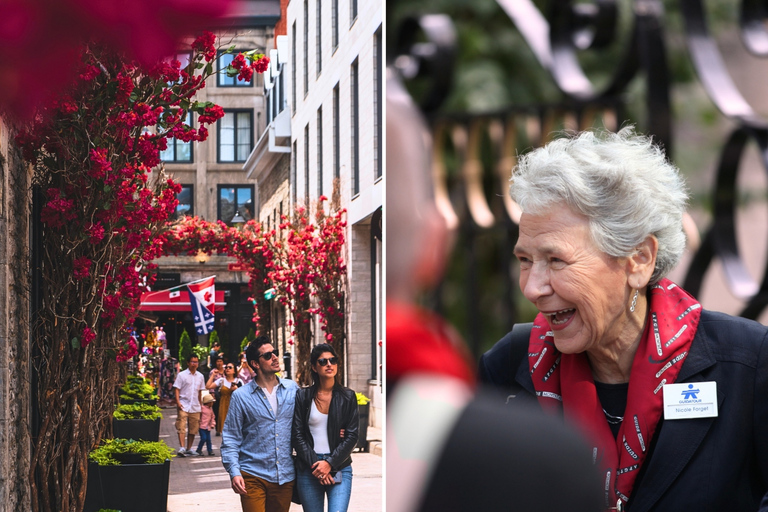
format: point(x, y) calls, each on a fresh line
point(705, 464)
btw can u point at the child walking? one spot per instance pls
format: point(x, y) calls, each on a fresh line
point(207, 423)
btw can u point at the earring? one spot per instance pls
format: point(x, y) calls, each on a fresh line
point(634, 302)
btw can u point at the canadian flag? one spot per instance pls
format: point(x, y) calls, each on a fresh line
point(205, 292)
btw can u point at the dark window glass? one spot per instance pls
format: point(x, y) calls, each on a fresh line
point(306, 164)
point(186, 200)
point(377, 99)
point(293, 69)
point(352, 12)
point(233, 200)
point(306, 48)
point(336, 155)
point(178, 151)
point(235, 139)
point(319, 151)
point(354, 129)
point(335, 24)
point(294, 174)
point(225, 59)
point(319, 36)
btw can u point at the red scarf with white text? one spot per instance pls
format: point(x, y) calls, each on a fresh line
point(564, 382)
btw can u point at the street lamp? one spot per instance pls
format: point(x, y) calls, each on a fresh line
point(238, 220)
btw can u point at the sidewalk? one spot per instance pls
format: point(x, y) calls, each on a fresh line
point(201, 484)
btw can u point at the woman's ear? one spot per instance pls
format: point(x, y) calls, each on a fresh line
point(642, 262)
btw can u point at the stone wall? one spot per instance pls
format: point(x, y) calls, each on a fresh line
point(359, 307)
point(14, 326)
point(274, 192)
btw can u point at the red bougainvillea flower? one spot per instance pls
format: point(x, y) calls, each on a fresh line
point(82, 267)
point(261, 64)
point(205, 44)
point(87, 337)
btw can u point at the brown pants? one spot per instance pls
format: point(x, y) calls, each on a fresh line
point(265, 496)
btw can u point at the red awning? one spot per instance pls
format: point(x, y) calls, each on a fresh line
point(162, 301)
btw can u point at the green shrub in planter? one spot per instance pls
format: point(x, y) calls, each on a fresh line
point(138, 411)
point(112, 451)
point(133, 486)
point(138, 390)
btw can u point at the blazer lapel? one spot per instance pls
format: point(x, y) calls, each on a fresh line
point(677, 440)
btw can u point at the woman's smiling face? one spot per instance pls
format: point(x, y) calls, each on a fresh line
point(582, 291)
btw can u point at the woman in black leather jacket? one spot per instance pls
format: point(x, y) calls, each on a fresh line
point(325, 431)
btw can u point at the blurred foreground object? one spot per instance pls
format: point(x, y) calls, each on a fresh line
point(41, 40)
point(448, 447)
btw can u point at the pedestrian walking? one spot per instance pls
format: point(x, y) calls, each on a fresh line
point(256, 440)
point(207, 423)
point(224, 386)
point(324, 457)
point(188, 388)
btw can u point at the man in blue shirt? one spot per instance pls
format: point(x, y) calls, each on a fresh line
point(256, 440)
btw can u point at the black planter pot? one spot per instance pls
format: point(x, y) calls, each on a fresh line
point(362, 440)
point(139, 430)
point(128, 401)
point(128, 488)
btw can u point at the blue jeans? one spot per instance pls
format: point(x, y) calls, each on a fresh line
point(312, 492)
point(205, 437)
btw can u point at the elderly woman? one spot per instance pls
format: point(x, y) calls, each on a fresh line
point(673, 398)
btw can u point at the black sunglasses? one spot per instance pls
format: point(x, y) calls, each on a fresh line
point(229, 367)
point(324, 361)
point(268, 355)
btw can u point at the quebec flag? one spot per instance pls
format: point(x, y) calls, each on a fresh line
point(202, 316)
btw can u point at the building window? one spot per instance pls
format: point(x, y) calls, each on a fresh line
point(352, 12)
point(354, 129)
point(235, 136)
point(178, 151)
point(319, 151)
point(306, 164)
point(293, 69)
point(186, 200)
point(319, 36)
point(306, 47)
point(336, 153)
point(294, 174)
point(233, 200)
point(377, 99)
point(225, 59)
point(335, 24)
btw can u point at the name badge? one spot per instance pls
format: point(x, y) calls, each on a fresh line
point(690, 400)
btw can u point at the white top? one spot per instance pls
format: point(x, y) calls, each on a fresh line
point(221, 381)
point(272, 397)
point(318, 427)
point(189, 387)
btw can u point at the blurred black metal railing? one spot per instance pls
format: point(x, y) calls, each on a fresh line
point(473, 154)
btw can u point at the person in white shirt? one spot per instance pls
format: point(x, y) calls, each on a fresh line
point(188, 388)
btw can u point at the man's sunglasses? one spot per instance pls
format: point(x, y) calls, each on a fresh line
point(324, 361)
point(268, 355)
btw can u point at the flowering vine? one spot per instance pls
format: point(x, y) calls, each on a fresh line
point(93, 151)
point(303, 261)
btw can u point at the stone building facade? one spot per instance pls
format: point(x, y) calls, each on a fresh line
point(335, 83)
point(15, 186)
